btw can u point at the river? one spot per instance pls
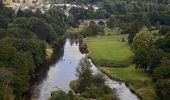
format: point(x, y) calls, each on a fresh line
point(63, 71)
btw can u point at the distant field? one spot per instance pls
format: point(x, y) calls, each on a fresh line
point(109, 49)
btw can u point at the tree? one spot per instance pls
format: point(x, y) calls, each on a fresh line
point(142, 46)
point(92, 30)
point(140, 58)
point(164, 30)
point(154, 57)
point(4, 22)
point(143, 39)
point(164, 43)
point(163, 71)
point(59, 95)
point(162, 89)
point(84, 74)
point(132, 29)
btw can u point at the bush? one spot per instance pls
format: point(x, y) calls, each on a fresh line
point(161, 73)
point(74, 85)
point(111, 63)
point(59, 95)
point(92, 30)
point(123, 39)
point(162, 89)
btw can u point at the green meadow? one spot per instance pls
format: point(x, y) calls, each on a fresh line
point(114, 56)
point(109, 50)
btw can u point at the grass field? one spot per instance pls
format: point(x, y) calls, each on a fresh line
point(108, 49)
point(128, 73)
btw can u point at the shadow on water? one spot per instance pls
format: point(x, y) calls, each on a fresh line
point(56, 74)
point(41, 71)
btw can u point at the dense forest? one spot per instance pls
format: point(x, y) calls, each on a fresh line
point(23, 42)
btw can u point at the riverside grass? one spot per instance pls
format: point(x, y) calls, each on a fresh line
point(108, 49)
point(138, 81)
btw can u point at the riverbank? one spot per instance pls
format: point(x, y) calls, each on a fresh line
point(137, 81)
point(113, 47)
point(52, 56)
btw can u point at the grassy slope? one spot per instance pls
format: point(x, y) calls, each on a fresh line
point(111, 48)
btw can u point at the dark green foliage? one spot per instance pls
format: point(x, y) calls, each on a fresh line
point(164, 43)
point(164, 30)
point(140, 58)
point(81, 13)
point(154, 59)
point(161, 17)
point(161, 75)
point(88, 86)
point(72, 21)
point(162, 89)
point(20, 13)
point(23, 40)
point(3, 22)
point(20, 62)
point(148, 60)
point(119, 8)
point(92, 30)
point(59, 95)
point(146, 56)
point(162, 72)
point(84, 74)
point(132, 30)
point(91, 86)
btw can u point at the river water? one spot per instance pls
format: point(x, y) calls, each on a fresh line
point(63, 71)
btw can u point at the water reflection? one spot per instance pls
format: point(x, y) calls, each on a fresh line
point(59, 74)
point(62, 72)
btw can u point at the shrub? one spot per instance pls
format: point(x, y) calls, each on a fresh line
point(74, 85)
point(59, 95)
point(162, 89)
point(161, 73)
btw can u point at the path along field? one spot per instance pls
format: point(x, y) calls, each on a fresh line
point(115, 57)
